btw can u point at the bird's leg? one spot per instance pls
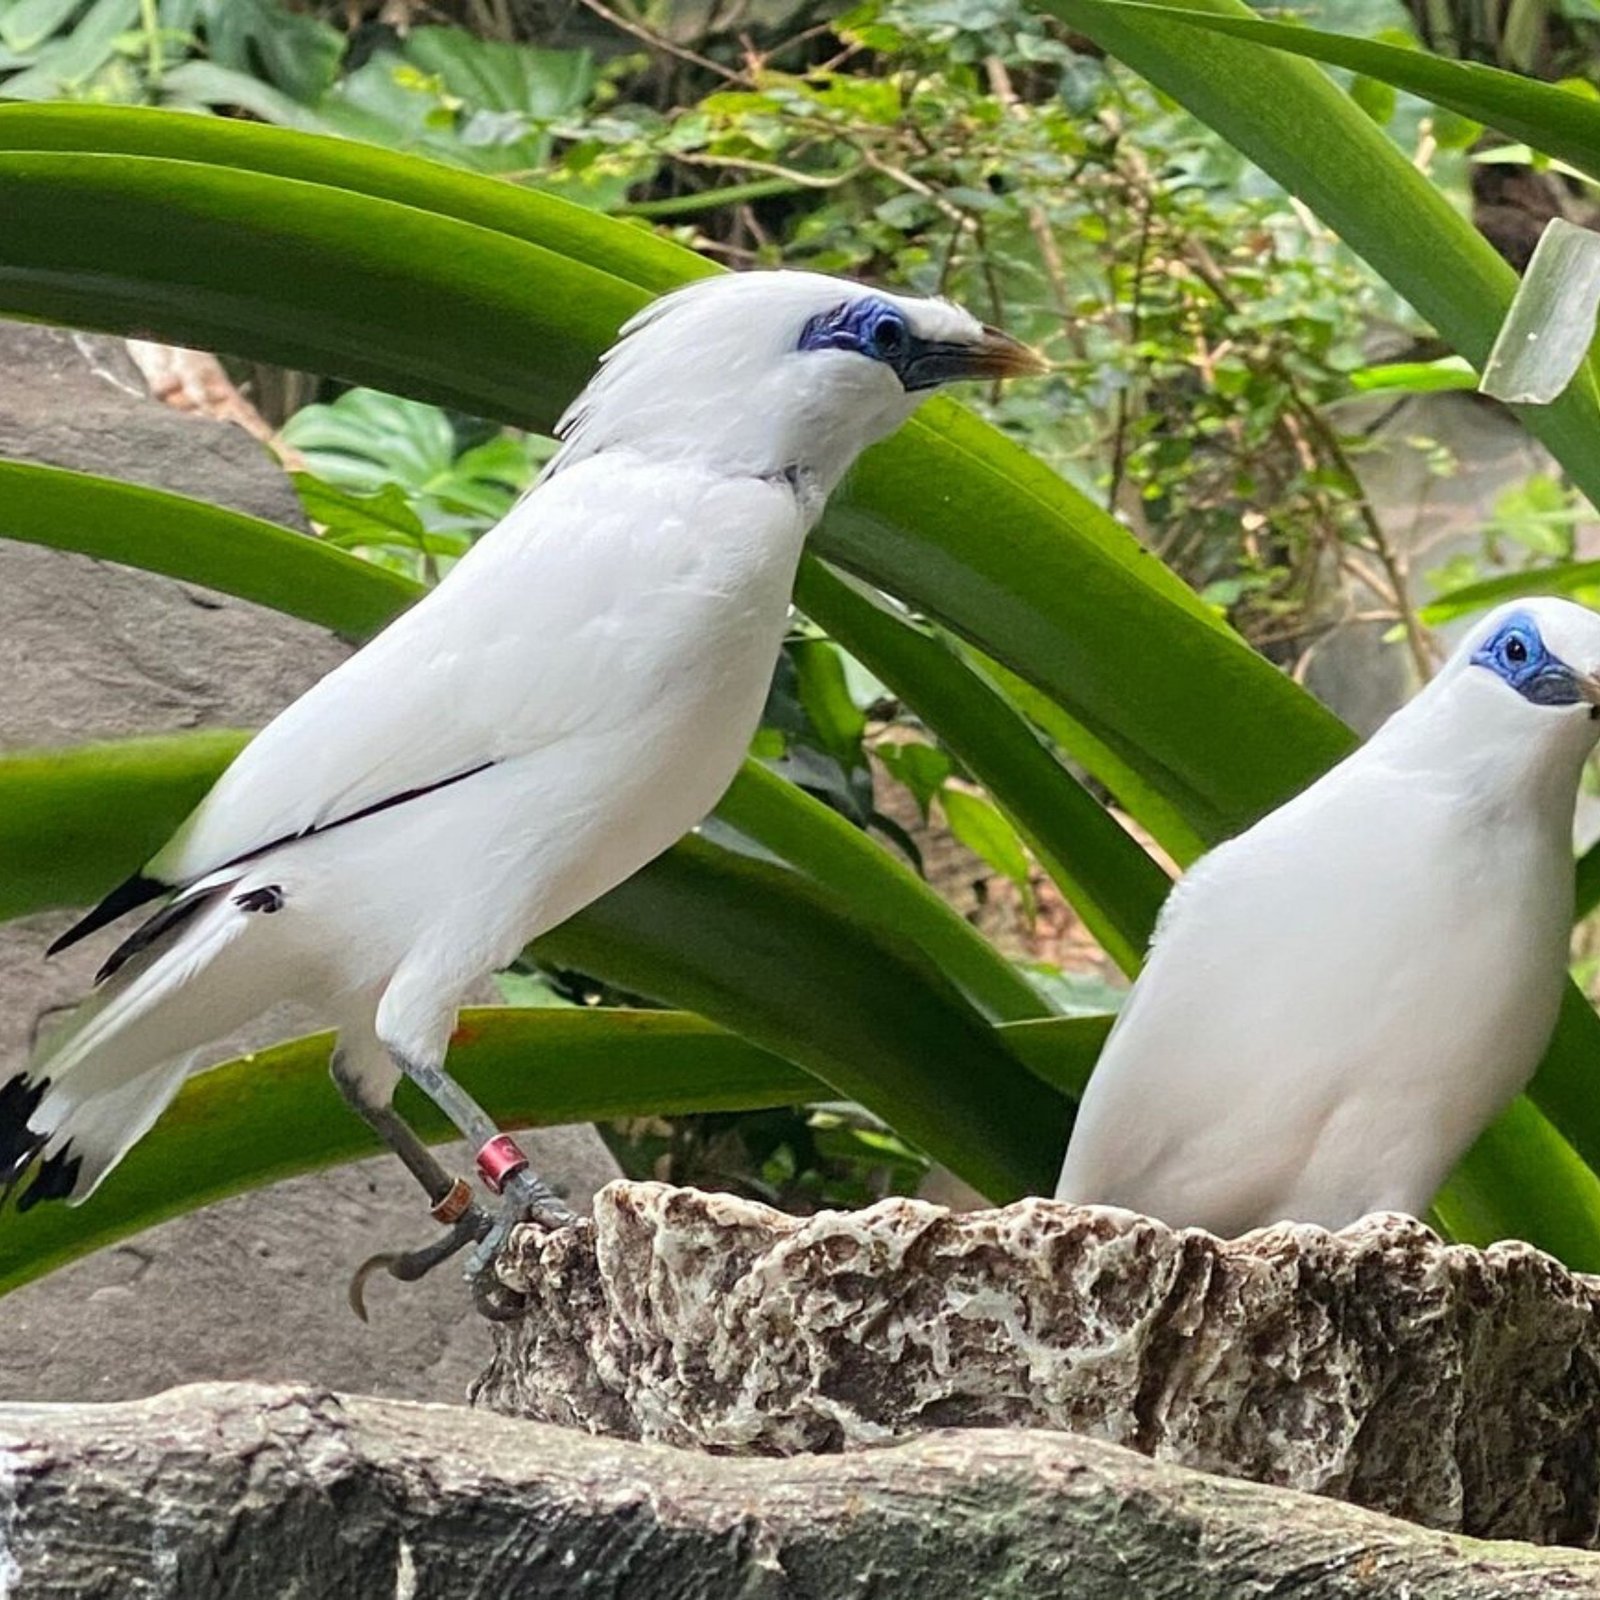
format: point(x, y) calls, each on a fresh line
point(525, 1196)
point(450, 1197)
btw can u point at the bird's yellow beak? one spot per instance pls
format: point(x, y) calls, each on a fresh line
point(998, 355)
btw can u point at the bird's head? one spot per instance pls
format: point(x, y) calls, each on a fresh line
point(1525, 679)
point(764, 372)
point(1544, 652)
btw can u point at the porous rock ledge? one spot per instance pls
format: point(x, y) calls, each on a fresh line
point(1455, 1387)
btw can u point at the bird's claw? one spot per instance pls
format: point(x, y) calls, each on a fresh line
point(525, 1199)
point(409, 1265)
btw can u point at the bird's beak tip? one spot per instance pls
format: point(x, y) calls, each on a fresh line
point(998, 355)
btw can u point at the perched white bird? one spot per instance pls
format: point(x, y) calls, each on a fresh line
point(1341, 999)
point(574, 697)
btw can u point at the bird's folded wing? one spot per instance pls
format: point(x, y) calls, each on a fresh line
point(558, 623)
point(473, 675)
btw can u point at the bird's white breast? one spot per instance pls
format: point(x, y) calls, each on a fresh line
point(1337, 1002)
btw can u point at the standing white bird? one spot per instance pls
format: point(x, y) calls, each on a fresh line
point(575, 696)
point(1341, 999)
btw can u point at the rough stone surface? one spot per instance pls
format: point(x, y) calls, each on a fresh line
point(90, 650)
point(254, 1288)
point(1458, 1388)
point(226, 1491)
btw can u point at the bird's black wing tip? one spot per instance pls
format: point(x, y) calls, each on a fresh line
point(132, 892)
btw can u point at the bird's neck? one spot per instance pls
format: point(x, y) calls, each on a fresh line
point(1490, 757)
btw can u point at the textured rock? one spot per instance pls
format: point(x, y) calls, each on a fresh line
point(227, 1491)
point(1455, 1387)
point(91, 650)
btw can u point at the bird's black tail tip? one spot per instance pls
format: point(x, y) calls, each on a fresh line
point(20, 1145)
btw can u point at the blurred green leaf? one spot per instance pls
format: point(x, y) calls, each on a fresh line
point(200, 543)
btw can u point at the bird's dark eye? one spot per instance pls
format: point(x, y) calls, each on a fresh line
point(1516, 649)
point(888, 336)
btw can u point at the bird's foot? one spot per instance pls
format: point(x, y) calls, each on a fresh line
point(467, 1222)
point(524, 1197)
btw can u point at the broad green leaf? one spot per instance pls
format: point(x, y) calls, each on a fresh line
point(200, 543)
point(1179, 834)
point(74, 822)
point(1522, 1180)
point(1548, 330)
point(760, 951)
point(277, 1113)
point(1061, 1050)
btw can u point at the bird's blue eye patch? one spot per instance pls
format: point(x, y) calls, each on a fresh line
point(1516, 652)
point(868, 327)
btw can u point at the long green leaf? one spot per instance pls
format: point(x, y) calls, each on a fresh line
point(873, 884)
point(755, 947)
point(1107, 877)
point(1562, 577)
point(75, 821)
point(1061, 1050)
point(1556, 121)
point(1491, 1194)
point(275, 1114)
point(200, 543)
point(762, 952)
point(1349, 173)
point(1545, 338)
point(505, 313)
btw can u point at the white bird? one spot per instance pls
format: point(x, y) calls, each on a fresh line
point(1338, 1001)
point(575, 696)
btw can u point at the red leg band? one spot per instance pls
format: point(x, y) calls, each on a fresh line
point(499, 1160)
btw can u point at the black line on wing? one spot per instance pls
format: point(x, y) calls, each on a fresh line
point(393, 800)
point(140, 890)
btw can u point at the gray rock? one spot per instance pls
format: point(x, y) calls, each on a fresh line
point(91, 650)
point(236, 1491)
point(1455, 1387)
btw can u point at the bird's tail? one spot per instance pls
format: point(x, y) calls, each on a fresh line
point(97, 1081)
